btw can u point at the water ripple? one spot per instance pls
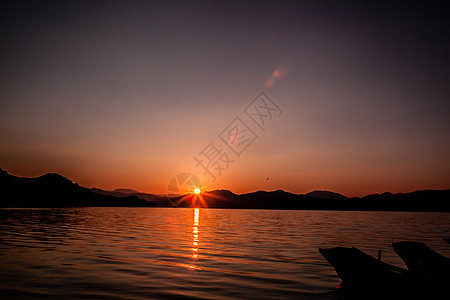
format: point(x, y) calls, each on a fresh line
point(155, 253)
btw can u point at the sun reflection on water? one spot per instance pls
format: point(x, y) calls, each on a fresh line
point(195, 237)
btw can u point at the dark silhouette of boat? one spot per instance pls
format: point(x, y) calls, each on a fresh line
point(363, 274)
point(447, 240)
point(420, 258)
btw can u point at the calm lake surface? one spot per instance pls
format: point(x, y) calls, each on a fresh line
point(168, 253)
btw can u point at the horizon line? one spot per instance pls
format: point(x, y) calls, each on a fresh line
point(229, 190)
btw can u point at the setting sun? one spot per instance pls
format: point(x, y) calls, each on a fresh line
point(197, 191)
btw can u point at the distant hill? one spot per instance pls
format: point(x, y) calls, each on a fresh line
point(54, 190)
point(162, 201)
point(326, 195)
point(126, 191)
point(427, 200)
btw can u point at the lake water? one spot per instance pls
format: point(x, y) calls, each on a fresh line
point(168, 253)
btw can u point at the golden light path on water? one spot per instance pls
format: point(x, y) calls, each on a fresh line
point(195, 237)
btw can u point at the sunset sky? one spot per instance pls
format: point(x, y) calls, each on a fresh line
point(126, 94)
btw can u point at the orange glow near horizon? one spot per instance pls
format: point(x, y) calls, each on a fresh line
point(243, 181)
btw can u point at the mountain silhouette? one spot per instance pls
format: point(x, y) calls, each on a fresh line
point(426, 200)
point(54, 190)
point(162, 201)
point(326, 195)
point(126, 191)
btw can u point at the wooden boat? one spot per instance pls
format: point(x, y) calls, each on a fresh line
point(420, 258)
point(361, 272)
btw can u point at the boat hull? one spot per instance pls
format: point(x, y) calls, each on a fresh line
point(362, 273)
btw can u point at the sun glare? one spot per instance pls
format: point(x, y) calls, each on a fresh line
point(197, 191)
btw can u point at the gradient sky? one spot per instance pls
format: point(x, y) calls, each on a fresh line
point(125, 93)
